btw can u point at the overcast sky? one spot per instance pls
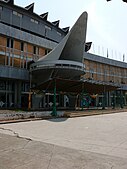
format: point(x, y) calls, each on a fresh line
point(107, 23)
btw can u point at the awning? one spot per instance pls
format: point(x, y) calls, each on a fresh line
point(75, 86)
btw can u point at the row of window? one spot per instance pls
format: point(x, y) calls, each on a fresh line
point(119, 72)
point(32, 20)
point(17, 14)
point(10, 44)
point(106, 69)
point(10, 86)
point(20, 15)
point(6, 85)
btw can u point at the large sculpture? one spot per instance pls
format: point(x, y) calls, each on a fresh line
point(63, 67)
point(66, 60)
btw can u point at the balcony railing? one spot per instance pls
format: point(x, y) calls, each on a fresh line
point(58, 64)
point(16, 58)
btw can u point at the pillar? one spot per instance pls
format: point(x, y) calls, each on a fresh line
point(113, 101)
point(17, 97)
point(54, 112)
point(121, 99)
point(104, 99)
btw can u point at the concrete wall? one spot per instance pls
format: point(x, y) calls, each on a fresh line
point(25, 22)
point(101, 59)
point(26, 37)
point(14, 73)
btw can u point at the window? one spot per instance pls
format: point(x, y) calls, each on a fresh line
point(22, 46)
point(34, 21)
point(59, 33)
point(34, 49)
point(47, 27)
point(17, 14)
point(25, 87)
point(2, 85)
point(1, 8)
point(20, 15)
point(91, 73)
point(37, 50)
point(10, 43)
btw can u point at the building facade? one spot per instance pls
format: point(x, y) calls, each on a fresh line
point(26, 37)
point(110, 71)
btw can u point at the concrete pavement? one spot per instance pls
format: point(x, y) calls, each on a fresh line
point(92, 142)
point(19, 153)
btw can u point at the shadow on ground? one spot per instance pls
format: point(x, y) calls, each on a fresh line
point(57, 119)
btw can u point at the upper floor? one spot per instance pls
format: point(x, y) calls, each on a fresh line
point(17, 53)
point(104, 69)
point(25, 19)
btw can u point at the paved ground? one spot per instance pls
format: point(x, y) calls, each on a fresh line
point(92, 142)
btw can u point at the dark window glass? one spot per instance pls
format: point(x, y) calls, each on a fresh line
point(12, 43)
point(22, 46)
point(13, 86)
point(8, 41)
point(2, 85)
point(34, 49)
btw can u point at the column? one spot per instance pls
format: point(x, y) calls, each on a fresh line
point(104, 99)
point(121, 99)
point(54, 112)
point(18, 94)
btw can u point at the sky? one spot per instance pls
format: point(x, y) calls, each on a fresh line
point(107, 23)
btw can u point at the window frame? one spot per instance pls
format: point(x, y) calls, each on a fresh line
point(34, 20)
point(22, 46)
point(17, 14)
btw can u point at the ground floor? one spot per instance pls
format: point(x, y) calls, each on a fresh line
point(16, 94)
point(109, 99)
point(13, 93)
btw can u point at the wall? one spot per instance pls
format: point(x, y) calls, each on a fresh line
point(104, 69)
point(30, 22)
